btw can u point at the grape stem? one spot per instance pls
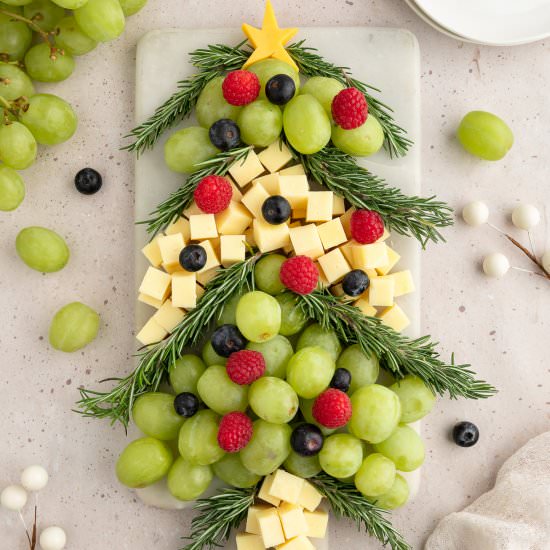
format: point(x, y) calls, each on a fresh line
point(36, 28)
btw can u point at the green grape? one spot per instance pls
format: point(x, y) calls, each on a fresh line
point(485, 135)
point(417, 400)
point(363, 369)
point(42, 249)
point(198, 439)
point(310, 371)
point(44, 14)
point(131, 7)
point(306, 124)
point(71, 38)
point(268, 68)
point(341, 455)
point(306, 406)
point(155, 416)
point(14, 82)
point(266, 274)
point(12, 189)
point(231, 470)
point(268, 448)
point(260, 123)
point(229, 311)
point(50, 119)
point(14, 6)
point(397, 495)
point(324, 90)
point(375, 476)
point(210, 357)
point(143, 462)
point(15, 37)
point(43, 67)
point(211, 105)
point(360, 142)
point(70, 4)
point(293, 319)
point(273, 400)
point(187, 148)
point(258, 316)
point(17, 146)
point(277, 353)
point(316, 335)
point(302, 466)
point(376, 413)
point(73, 327)
point(404, 447)
point(220, 393)
point(188, 481)
point(101, 20)
point(184, 373)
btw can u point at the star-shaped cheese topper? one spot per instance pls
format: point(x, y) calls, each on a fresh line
point(270, 40)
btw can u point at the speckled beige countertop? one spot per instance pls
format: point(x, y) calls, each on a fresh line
point(500, 326)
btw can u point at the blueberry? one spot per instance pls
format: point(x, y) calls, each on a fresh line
point(280, 89)
point(186, 404)
point(88, 181)
point(227, 339)
point(225, 134)
point(341, 380)
point(276, 210)
point(193, 257)
point(355, 282)
point(306, 439)
point(465, 434)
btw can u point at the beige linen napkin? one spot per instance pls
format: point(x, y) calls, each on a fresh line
point(514, 515)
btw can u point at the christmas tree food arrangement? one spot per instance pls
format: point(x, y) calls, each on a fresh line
point(275, 307)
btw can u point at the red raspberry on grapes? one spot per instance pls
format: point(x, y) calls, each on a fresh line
point(332, 408)
point(240, 87)
point(367, 226)
point(299, 274)
point(213, 194)
point(245, 366)
point(350, 109)
point(234, 432)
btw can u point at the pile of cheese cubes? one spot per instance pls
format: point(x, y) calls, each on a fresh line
point(319, 228)
point(292, 519)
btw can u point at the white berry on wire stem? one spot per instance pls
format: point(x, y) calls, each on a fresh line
point(525, 216)
point(475, 213)
point(496, 265)
point(34, 478)
point(13, 498)
point(53, 538)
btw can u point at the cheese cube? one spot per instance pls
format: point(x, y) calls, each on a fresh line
point(200, 292)
point(386, 235)
point(270, 528)
point(184, 290)
point(345, 218)
point(168, 316)
point(369, 256)
point(233, 220)
point(249, 236)
point(334, 265)
point(306, 242)
point(204, 277)
point(332, 234)
point(394, 317)
point(270, 183)
point(192, 209)
point(270, 237)
point(254, 199)
point(245, 170)
point(246, 541)
point(152, 252)
point(338, 205)
point(203, 226)
point(275, 156)
point(295, 190)
point(319, 206)
point(297, 543)
point(310, 497)
point(323, 281)
point(181, 225)
point(263, 493)
point(149, 301)
point(232, 249)
point(151, 333)
point(404, 283)
point(155, 284)
point(393, 258)
point(347, 250)
point(212, 259)
point(292, 519)
point(381, 291)
point(299, 213)
point(237, 195)
point(365, 307)
point(252, 525)
point(286, 487)
point(296, 170)
point(172, 268)
point(170, 247)
point(317, 523)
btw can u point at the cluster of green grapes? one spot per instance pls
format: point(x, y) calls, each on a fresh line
point(39, 40)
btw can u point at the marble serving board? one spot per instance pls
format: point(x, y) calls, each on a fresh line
point(385, 58)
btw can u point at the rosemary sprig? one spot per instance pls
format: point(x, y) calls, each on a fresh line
point(154, 361)
point(347, 502)
point(397, 353)
point(311, 63)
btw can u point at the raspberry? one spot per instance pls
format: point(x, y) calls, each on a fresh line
point(245, 366)
point(332, 408)
point(240, 87)
point(299, 274)
point(213, 194)
point(367, 226)
point(234, 432)
point(350, 109)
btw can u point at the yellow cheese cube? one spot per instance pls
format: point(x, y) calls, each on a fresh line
point(203, 226)
point(319, 206)
point(156, 284)
point(386, 235)
point(151, 333)
point(184, 290)
point(270, 528)
point(172, 268)
point(212, 259)
point(292, 519)
point(263, 493)
point(270, 183)
point(345, 218)
point(338, 205)
point(152, 252)
point(237, 195)
point(245, 170)
point(323, 281)
point(393, 258)
point(332, 234)
point(317, 523)
point(306, 242)
point(192, 209)
point(200, 292)
point(233, 220)
point(404, 283)
point(296, 170)
point(149, 301)
point(204, 277)
point(295, 190)
point(381, 291)
point(310, 497)
point(299, 213)
point(286, 486)
point(297, 543)
point(275, 156)
point(365, 307)
point(254, 199)
point(334, 265)
point(347, 250)
point(369, 256)
point(249, 236)
point(270, 237)
point(170, 247)
point(168, 316)
point(232, 249)
point(395, 318)
point(181, 225)
point(252, 525)
point(246, 541)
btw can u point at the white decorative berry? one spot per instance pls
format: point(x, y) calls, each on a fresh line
point(525, 216)
point(53, 538)
point(496, 265)
point(14, 498)
point(475, 213)
point(546, 260)
point(34, 478)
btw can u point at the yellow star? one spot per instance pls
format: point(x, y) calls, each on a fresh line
point(270, 40)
